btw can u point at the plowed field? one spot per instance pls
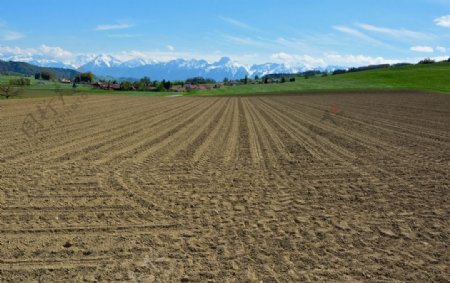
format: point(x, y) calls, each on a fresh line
point(295, 188)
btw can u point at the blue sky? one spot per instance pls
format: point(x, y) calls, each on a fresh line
point(309, 32)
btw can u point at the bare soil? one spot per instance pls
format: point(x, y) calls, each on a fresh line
point(306, 188)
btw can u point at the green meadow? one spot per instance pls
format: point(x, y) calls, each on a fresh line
point(426, 77)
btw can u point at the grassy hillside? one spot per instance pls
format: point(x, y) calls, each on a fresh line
point(430, 77)
point(29, 69)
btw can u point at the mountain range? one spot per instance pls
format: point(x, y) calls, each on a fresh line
point(105, 65)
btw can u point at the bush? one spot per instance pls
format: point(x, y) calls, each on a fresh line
point(427, 61)
point(20, 82)
point(292, 79)
point(339, 71)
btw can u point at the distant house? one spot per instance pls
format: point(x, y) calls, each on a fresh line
point(177, 89)
point(273, 81)
point(97, 85)
point(112, 86)
point(65, 81)
point(190, 87)
point(106, 86)
point(151, 88)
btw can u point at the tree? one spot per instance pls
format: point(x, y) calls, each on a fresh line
point(266, 80)
point(200, 80)
point(144, 83)
point(225, 80)
point(8, 90)
point(84, 77)
point(427, 61)
point(256, 77)
point(246, 79)
point(292, 79)
point(339, 72)
point(45, 75)
point(126, 86)
point(283, 80)
point(161, 86)
point(167, 85)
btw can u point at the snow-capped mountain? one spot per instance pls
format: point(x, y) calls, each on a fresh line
point(136, 62)
point(100, 62)
point(273, 68)
point(181, 69)
point(178, 69)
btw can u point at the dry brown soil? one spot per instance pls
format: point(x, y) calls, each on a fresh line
point(294, 188)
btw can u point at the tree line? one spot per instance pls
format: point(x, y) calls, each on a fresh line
point(146, 84)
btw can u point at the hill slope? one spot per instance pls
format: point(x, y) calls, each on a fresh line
point(29, 69)
point(430, 77)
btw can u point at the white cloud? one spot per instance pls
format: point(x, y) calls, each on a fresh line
point(294, 59)
point(7, 51)
point(42, 53)
point(358, 34)
point(11, 35)
point(424, 49)
point(246, 41)
point(48, 54)
point(397, 33)
point(55, 52)
point(161, 56)
point(170, 47)
point(6, 34)
point(292, 43)
point(443, 21)
point(238, 23)
point(436, 58)
point(112, 27)
point(441, 49)
point(345, 60)
point(357, 60)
